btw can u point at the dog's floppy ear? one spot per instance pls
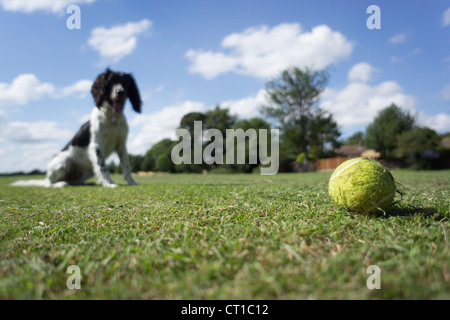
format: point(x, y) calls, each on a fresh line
point(133, 93)
point(99, 88)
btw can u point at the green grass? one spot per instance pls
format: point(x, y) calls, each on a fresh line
point(222, 237)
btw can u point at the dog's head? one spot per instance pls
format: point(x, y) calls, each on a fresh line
point(114, 88)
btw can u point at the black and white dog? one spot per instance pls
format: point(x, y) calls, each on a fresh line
point(106, 132)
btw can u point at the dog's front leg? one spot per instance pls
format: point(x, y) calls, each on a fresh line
point(125, 163)
point(98, 163)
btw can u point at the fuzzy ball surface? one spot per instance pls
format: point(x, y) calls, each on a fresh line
point(362, 185)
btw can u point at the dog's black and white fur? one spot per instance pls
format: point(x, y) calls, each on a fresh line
point(106, 132)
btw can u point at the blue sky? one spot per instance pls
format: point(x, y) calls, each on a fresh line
point(192, 55)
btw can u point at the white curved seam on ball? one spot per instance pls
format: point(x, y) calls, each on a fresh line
point(346, 167)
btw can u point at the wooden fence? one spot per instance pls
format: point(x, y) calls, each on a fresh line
point(329, 164)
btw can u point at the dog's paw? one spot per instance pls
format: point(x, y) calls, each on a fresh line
point(60, 184)
point(111, 185)
point(132, 183)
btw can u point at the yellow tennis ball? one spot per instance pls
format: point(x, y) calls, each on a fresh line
point(362, 185)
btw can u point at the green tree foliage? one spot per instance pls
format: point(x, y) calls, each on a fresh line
point(136, 162)
point(356, 138)
point(220, 119)
point(383, 132)
point(164, 163)
point(187, 122)
point(252, 124)
point(324, 134)
point(158, 158)
point(216, 118)
point(305, 127)
point(418, 147)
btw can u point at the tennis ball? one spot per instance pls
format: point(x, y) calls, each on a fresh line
point(362, 185)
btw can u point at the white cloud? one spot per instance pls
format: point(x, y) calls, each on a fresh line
point(83, 118)
point(3, 119)
point(210, 64)
point(79, 89)
point(445, 93)
point(395, 59)
point(358, 103)
point(27, 87)
point(446, 18)
point(264, 52)
point(248, 107)
point(159, 125)
point(29, 6)
point(361, 72)
point(398, 38)
point(417, 51)
point(32, 132)
point(439, 122)
point(147, 94)
point(23, 89)
point(159, 89)
point(119, 41)
point(27, 157)
point(25, 146)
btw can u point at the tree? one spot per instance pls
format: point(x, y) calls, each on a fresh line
point(255, 124)
point(356, 138)
point(418, 147)
point(187, 122)
point(382, 133)
point(324, 134)
point(294, 96)
point(216, 118)
point(164, 163)
point(158, 157)
point(220, 119)
point(135, 162)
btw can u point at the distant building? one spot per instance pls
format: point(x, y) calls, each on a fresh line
point(445, 143)
point(343, 154)
point(354, 150)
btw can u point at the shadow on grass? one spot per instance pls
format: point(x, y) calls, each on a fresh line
point(410, 211)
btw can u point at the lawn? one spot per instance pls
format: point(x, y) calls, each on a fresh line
point(223, 237)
